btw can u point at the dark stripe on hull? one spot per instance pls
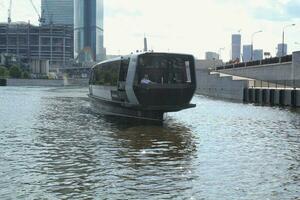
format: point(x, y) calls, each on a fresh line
point(114, 108)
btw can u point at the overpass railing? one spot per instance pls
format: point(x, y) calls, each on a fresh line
point(267, 61)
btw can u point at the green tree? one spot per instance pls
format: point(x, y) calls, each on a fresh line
point(25, 75)
point(3, 71)
point(15, 72)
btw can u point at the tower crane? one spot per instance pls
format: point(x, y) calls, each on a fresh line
point(9, 12)
point(41, 19)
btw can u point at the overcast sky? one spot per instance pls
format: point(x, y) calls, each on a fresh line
point(190, 26)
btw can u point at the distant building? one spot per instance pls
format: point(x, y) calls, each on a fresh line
point(247, 53)
point(236, 46)
point(145, 44)
point(205, 64)
point(88, 30)
point(211, 56)
point(27, 42)
point(58, 11)
point(281, 50)
point(258, 54)
point(39, 67)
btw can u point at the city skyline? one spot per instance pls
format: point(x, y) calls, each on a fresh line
point(190, 26)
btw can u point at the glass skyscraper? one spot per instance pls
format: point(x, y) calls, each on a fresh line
point(235, 47)
point(281, 50)
point(258, 54)
point(247, 53)
point(58, 11)
point(88, 30)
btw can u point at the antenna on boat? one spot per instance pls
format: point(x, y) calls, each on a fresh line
point(145, 43)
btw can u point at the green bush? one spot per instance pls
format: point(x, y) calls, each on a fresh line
point(15, 72)
point(3, 71)
point(25, 75)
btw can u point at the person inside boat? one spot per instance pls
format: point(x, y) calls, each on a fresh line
point(146, 80)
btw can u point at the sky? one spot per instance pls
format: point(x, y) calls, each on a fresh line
point(187, 26)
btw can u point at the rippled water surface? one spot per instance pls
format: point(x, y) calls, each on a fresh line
point(53, 146)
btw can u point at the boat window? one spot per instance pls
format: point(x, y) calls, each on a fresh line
point(107, 74)
point(165, 69)
point(91, 79)
point(124, 69)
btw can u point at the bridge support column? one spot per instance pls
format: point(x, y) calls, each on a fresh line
point(277, 97)
point(288, 98)
point(246, 95)
point(251, 93)
point(295, 75)
point(258, 96)
point(265, 96)
point(297, 99)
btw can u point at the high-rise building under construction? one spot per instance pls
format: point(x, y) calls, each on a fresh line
point(47, 42)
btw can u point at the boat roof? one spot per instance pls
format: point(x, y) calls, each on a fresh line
point(138, 53)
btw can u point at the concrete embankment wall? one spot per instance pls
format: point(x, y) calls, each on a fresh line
point(46, 82)
point(76, 82)
point(35, 82)
point(220, 87)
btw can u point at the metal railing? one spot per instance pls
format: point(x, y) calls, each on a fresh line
point(267, 61)
point(271, 84)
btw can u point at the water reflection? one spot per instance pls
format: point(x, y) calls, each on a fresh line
point(83, 154)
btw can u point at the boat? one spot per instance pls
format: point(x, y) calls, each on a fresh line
point(143, 85)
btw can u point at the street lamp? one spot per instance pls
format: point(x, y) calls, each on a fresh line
point(219, 52)
point(252, 36)
point(282, 48)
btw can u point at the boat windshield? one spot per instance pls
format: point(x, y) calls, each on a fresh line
point(164, 69)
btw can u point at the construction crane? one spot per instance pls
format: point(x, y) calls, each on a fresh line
point(9, 12)
point(41, 19)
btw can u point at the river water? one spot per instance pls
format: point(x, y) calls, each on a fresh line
point(53, 146)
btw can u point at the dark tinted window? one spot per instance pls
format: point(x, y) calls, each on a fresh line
point(165, 68)
point(124, 69)
point(106, 74)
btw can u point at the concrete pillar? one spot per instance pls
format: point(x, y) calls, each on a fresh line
point(298, 98)
point(272, 97)
point(281, 97)
point(277, 97)
point(266, 96)
point(287, 101)
point(251, 95)
point(258, 96)
point(246, 95)
point(293, 98)
point(295, 75)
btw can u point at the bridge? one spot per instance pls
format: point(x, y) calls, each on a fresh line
point(279, 70)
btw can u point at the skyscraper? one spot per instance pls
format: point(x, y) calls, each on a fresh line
point(58, 11)
point(88, 30)
point(211, 56)
point(247, 53)
point(258, 54)
point(281, 50)
point(236, 46)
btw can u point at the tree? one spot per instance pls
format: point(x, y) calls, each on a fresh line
point(15, 72)
point(3, 71)
point(25, 75)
